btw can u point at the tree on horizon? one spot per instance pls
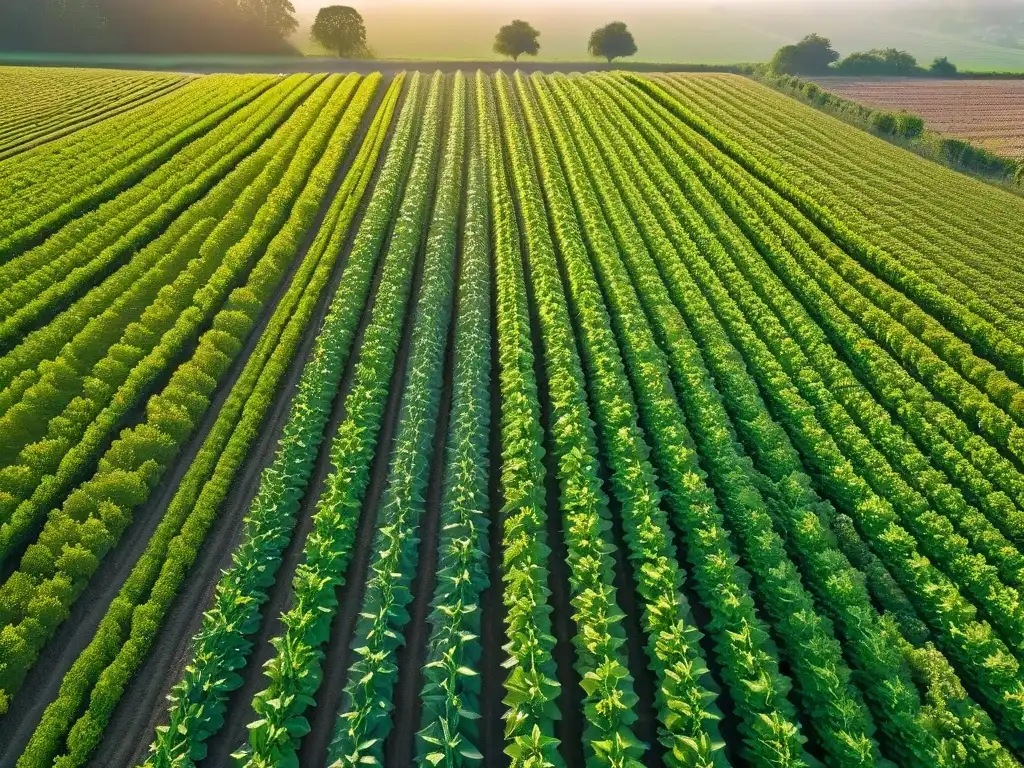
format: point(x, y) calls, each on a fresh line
point(612, 41)
point(517, 39)
point(340, 28)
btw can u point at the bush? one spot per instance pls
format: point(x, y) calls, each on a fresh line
point(884, 121)
point(942, 67)
point(909, 125)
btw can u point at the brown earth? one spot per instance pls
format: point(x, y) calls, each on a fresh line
point(988, 113)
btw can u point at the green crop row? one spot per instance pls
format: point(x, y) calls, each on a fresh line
point(67, 264)
point(221, 647)
point(955, 231)
point(44, 129)
point(364, 714)
point(62, 424)
point(451, 680)
point(48, 188)
point(531, 688)
point(886, 279)
point(56, 111)
point(56, 569)
point(929, 518)
point(53, 414)
point(294, 673)
point(127, 632)
point(935, 595)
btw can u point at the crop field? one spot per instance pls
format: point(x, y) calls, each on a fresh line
point(988, 113)
point(42, 105)
point(486, 420)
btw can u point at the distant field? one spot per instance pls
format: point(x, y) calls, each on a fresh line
point(42, 105)
point(484, 420)
point(987, 113)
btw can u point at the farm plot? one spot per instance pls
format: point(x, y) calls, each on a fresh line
point(988, 113)
point(503, 420)
point(42, 105)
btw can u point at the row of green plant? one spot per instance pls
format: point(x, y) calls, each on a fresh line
point(991, 408)
point(765, 226)
point(73, 261)
point(890, 692)
point(294, 672)
point(84, 331)
point(116, 340)
point(749, 658)
point(955, 235)
point(57, 567)
point(789, 498)
point(365, 712)
point(48, 188)
point(28, 176)
point(451, 689)
point(54, 103)
point(40, 115)
point(531, 687)
point(222, 646)
point(840, 719)
point(837, 308)
point(609, 699)
point(800, 404)
point(130, 95)
point(883, 277)
point(61, 425)
point(127, 632)
point(960, 154)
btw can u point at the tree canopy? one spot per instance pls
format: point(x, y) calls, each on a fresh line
point(517, 39)
point(277, 15)
point(612, 41)
point(811, 56)
point(942, 67)
point(148, 26)
point(879, 61)
point(340, 28)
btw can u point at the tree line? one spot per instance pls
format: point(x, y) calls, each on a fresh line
point(814, 55)
point(148, 26)
point(520, 38)
point(228, 26)
point(341, 30)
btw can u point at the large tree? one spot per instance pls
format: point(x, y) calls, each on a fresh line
point(516, 39)
point(612, 41)
point(811, 56)
point(276, 15)
point(340, 28)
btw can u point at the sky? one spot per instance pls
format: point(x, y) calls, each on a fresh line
point(690, 31)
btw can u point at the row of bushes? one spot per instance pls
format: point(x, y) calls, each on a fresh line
point(904, 124)
point(956, 153)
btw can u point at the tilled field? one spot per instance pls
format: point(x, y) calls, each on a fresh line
point(988, 113)
point(467, 419)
